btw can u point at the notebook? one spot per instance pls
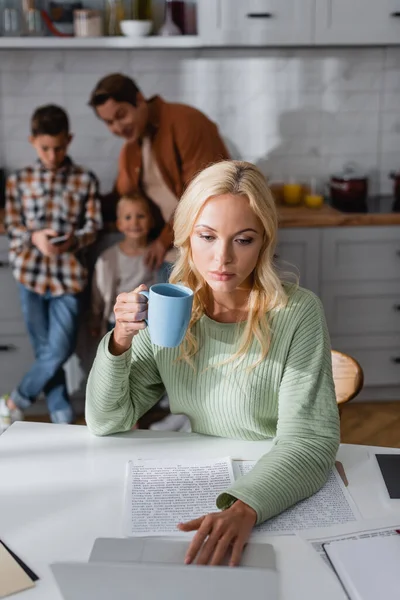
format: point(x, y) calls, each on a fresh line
point(368, 568)
point(13, 577)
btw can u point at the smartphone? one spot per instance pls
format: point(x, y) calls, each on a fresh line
point(389, 465)
point(58, 240)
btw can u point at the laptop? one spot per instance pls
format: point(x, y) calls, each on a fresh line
point(155, 581)
point(172, 551)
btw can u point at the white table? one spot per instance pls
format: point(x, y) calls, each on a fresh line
point(61, 488)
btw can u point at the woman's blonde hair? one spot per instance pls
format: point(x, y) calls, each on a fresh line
point(238, 178)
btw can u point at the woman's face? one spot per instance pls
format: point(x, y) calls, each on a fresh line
point(226, 241)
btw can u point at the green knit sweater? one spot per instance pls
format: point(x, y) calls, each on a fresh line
point(289, 396)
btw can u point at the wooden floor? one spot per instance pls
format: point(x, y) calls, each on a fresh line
point(370, 423)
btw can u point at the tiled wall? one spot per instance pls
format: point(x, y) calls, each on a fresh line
point(293, 112)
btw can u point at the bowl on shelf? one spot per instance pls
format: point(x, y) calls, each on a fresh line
point(136, 28)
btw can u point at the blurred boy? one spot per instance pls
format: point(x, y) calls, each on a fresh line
point(52, 199)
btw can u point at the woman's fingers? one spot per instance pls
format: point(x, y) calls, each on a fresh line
point(215, 548)
point(198, 540)
point(134, 314)
point(191, 525)
point(237, 551)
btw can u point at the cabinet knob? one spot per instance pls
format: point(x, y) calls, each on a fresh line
point(395, 14)
point(3, 264)
point(396, 307)
point(7, 347)
point(265, 15)
point(397, 252)
point(396, 359)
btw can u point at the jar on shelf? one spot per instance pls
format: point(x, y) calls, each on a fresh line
point(11, 24)
point(114, 14)
point(88, 23)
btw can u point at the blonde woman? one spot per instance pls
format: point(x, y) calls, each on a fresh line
point(255, 362)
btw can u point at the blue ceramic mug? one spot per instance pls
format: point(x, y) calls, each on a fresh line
point(170, 309)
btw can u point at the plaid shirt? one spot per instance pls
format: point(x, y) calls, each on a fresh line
point(65, 200)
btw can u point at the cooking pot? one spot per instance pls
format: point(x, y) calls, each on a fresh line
point(395, 175)
point(349, 189)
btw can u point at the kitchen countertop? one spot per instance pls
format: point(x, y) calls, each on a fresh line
point(326, 216)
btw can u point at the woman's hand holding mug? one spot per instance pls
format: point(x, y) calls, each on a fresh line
point(130, 312)
point(170, 310)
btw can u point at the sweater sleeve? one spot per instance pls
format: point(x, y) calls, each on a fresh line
point(121, 389)
point(308, 434)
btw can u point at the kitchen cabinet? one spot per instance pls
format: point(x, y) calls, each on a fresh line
point(361, 253)
point(297, 255)
point(257, 22)
point(360, 291)
point(353, 22)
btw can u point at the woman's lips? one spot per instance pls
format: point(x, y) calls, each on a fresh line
point(221, 276)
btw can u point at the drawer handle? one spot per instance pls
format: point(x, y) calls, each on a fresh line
point(395, 14)
point(396, 359)
point(4, 264)
point(7, 347)
point(265, 15)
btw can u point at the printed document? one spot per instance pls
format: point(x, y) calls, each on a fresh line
point(162, 493)
point(332, 505)
point(159, 494)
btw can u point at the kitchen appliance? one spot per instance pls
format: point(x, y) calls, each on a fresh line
point(349, 189)
point(395, 175)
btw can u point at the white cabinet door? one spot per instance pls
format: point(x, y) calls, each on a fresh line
point(357, 22)
point(298, 254)
point(361, 254)
point(362, 308)
point(260, 22)
point(378, 355)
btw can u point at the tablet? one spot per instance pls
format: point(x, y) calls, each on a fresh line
point(389, 465)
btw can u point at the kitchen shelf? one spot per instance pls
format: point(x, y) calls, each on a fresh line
point(74, 43)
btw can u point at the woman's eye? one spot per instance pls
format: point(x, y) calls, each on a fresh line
point(243, 242)
point(207, 238)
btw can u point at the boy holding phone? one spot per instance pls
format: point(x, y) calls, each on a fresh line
point(52, 212)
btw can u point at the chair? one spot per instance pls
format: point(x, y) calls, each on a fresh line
point(348, 376)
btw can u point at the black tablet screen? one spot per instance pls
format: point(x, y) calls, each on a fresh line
point(390, 468)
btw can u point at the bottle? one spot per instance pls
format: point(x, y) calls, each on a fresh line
point(169, 27)
point(115, 13)
point(142, 10)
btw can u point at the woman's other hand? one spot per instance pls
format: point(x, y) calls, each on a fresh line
point(130, 312)
point(219, 532)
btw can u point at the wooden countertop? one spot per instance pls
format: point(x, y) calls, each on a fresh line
point(301, 216)
point(326, 216)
